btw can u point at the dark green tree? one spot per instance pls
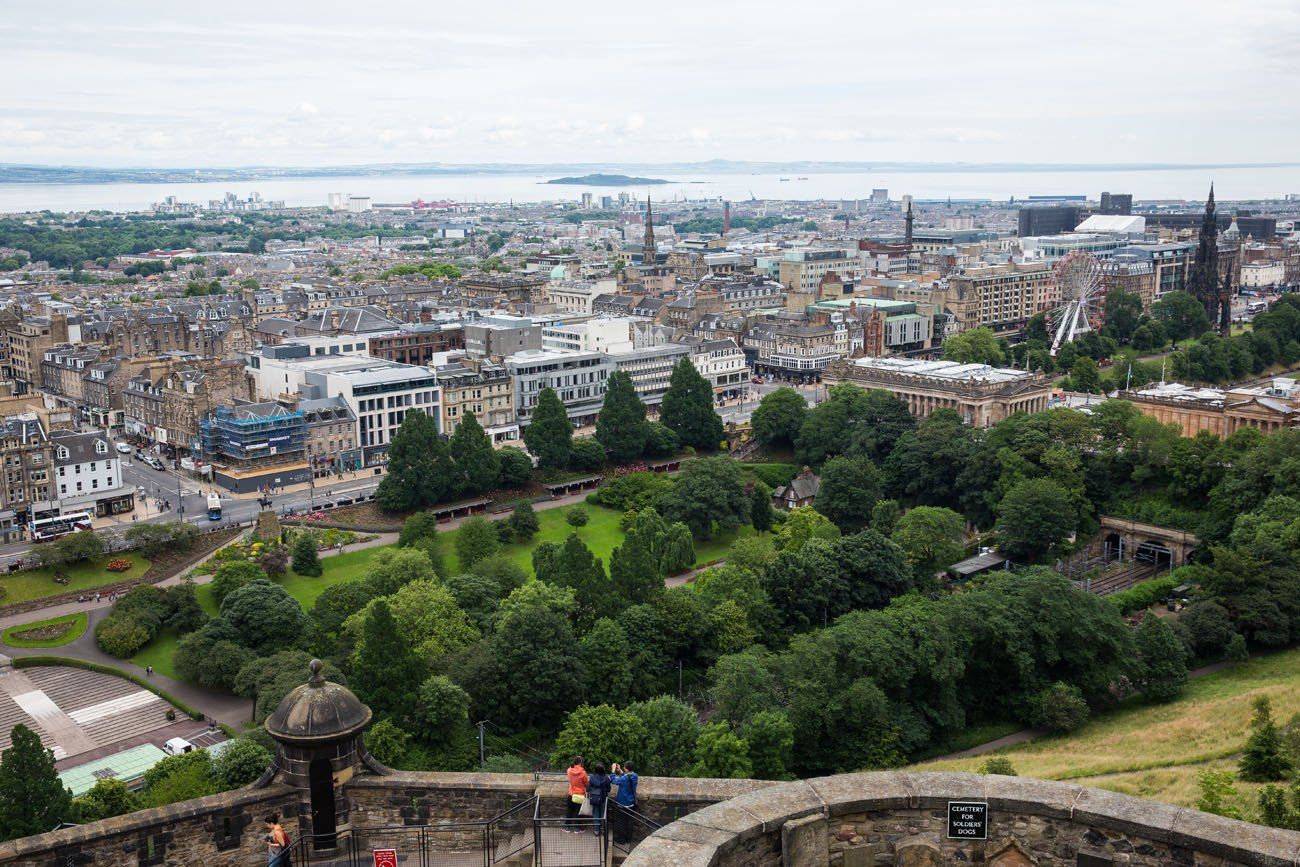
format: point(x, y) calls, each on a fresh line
point(720, 754)
point(621, 429)
point(549, 436)
point(586, 455)
point(523, 522)
point(1084, 376)
point(975, 346)
point(607, 661)
point(476, 540)
point(930, 537)
point(709, 494)
point(670, 728)
point(32, 797)
point(1035, 516)
point(386, 668)
point(532, 672)
point(306, 561)
point(1262, 760)
point(260, 616)
point(760, 508)
point(779, 417)
point(687, 408)
point(516, 468)
point(420, 472)
point(232, 576)
point(1181, 315)
point(849, 490)
point(853, 422)
point(1123, 313)
point(770, 738)
point(478, 467)
point(1161, 660)
point(106, 799)
point(634, 572)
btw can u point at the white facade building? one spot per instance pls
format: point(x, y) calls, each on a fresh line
point(606, 334)
point(87, 470)
point(578, 378)
point(378, 392)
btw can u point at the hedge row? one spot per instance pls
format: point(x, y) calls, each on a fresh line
point(69, 662)
point(1143, 594)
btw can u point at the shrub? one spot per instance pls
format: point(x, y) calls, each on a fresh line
point(121, 635)
point(240, 763)
point(1060, 708)
point(577, 517)
point(118, 564)
point(586, 454)
point(772, 475)
point(998, 765)
point(1144, 594)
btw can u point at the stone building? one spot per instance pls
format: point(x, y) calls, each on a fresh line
point(26, 341)
point(504, 290)
point(164, 403)
point(1221, 412)
point(484, 388)
point(26, 484)
point(1000, 297)
point(331, 443)
point(980, 394)
point(417, 343)
point(149, 333)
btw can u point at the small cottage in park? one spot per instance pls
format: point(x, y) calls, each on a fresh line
point(801, 491)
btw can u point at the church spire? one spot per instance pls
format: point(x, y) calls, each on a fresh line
point(648, 249)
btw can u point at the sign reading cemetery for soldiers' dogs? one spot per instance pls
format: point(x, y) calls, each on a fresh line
point(968, 820)
point(385, 858)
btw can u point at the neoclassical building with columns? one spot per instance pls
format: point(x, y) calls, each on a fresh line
point(980, 394)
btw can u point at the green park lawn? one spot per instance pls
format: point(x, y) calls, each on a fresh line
point(39, 583)
point(1157, 751)
point(601, 534)
point(63, 630)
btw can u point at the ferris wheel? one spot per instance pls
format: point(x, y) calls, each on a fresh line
point(1078, 278)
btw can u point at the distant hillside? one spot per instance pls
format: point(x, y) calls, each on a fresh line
point(609, 181)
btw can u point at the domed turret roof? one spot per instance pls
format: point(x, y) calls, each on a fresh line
point(318, 712)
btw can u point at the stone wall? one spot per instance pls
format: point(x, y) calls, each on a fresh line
point(855, 820)
point(873, 820)
point(222, 830)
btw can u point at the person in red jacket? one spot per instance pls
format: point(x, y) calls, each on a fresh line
point(577, 794)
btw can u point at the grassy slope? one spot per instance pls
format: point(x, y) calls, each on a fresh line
point(38, 583)
point(1156, 751)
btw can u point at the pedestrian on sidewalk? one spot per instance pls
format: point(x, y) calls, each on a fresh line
point(148, 671)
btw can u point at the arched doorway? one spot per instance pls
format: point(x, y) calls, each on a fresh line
point(1155, 554)
point(1114, 547)
point(324, 822)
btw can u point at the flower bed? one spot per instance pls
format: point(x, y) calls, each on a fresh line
point(118, 564)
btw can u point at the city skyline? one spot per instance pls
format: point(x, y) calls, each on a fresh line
point(279, 86)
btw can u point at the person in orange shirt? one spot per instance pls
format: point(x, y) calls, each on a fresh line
point(577, 794)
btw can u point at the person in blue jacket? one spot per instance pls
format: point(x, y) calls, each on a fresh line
point(626, 779)
point(598, 785)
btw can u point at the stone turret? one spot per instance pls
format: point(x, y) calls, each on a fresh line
point(318, 729)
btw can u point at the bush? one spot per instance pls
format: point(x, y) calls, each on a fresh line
point(240, 763)
point(634, 491)
point(117, 564)
point(233, 575)
point(516, 467)
point(1060, 708)
point(586, 454)
point(998, 765)
point(1144, 594)
point(577, 517)
point(306, 562)
point(121, 635)
point(523, 522)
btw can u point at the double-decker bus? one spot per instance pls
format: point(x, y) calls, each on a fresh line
point(49, 529)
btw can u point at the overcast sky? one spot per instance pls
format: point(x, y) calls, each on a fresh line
point(286, 82)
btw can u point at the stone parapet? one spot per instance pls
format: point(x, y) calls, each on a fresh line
point(901, 819)
point(222, 830)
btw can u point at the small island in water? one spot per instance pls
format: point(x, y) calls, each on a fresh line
point(598, 180)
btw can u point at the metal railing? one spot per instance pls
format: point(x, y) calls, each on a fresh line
point(627, 828)
point(454, 844)
point(579, 841)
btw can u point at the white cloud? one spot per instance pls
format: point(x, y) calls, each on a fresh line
point(321, 83)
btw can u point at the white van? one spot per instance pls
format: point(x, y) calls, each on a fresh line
point(177, 746)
